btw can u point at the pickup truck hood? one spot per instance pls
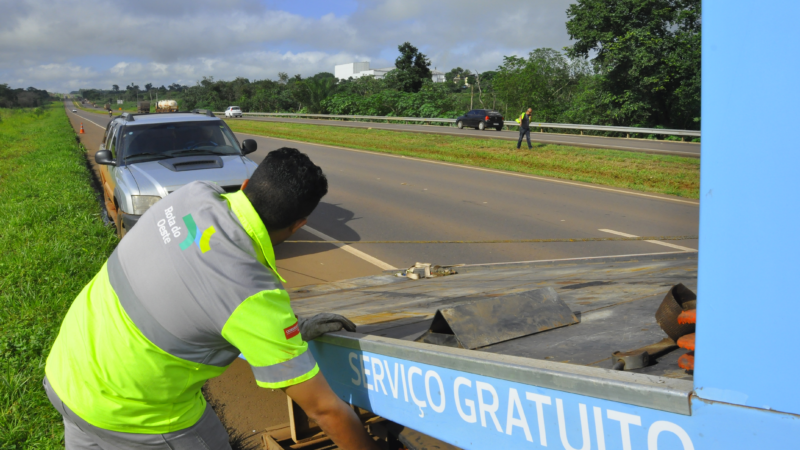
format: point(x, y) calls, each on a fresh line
point(163, 176)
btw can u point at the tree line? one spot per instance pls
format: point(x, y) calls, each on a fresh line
point(632, 63)
point(23, 98)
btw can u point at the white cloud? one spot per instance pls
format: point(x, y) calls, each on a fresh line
point(94, 43)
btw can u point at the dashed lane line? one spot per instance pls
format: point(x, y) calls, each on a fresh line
point(351, 250)
point(665, 244)
point(89, 120)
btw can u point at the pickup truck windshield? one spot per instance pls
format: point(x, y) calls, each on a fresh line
point(160, 141)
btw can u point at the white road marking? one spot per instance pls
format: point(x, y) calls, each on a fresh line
point(520, 175)
point(89, 120)
point(93, 122)
point(351, 250)
point(665, 244)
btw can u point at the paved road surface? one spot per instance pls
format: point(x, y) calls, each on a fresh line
point(377, 197)
point(636, 145)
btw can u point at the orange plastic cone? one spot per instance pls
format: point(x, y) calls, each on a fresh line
point(82, 132)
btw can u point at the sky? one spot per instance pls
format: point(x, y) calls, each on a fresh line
point(65, 45)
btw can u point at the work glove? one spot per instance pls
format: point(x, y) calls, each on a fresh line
point(315, 326)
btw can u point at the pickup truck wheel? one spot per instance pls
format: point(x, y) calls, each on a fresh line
point(481, 126)
point(460, 125)
point(498, 128)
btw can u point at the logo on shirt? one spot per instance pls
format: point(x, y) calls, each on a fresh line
point(193, 237)
point(292, 331)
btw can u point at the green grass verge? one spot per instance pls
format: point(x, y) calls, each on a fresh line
point(52, 242)
point(660, 174)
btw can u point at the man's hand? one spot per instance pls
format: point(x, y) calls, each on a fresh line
point(315, 326)
point(334, 416)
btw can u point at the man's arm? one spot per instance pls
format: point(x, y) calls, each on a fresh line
point(334, 416)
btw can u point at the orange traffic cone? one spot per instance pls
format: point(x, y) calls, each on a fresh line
point(82, 132)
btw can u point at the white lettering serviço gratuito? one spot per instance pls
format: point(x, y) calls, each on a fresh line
point(478, 401)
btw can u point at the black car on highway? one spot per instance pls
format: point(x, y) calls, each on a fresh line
point(481, 119)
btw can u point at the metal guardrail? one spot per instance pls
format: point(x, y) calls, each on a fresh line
point(563, 126)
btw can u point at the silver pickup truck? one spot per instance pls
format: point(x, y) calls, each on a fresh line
point(143, 158)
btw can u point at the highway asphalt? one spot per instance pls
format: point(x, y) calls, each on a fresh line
point(381, 197)
point(635, 145)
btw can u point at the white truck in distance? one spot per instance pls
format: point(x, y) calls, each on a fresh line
point(166, 106)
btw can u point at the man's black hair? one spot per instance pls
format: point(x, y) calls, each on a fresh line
point(285, 187)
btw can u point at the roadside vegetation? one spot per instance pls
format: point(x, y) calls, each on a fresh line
point(23, 98)
point(660, 174)
point(52, 242)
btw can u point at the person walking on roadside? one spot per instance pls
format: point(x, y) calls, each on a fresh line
point(187, 290)
point(524, 122)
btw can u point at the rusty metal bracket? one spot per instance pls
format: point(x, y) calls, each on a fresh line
point(678, 299)
point(642, 357)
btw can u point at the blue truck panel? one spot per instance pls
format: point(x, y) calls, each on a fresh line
point(474, 411)
point(749, 208)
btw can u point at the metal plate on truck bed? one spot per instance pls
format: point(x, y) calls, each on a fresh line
point(616, 299)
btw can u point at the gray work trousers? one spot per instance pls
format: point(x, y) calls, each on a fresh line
point(207, 434)
point(524, 133)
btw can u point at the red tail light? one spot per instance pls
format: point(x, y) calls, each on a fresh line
point(487, 118)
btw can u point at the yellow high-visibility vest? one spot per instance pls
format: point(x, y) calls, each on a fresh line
point(187, 290)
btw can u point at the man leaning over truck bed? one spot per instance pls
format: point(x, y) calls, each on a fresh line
point(188, 289)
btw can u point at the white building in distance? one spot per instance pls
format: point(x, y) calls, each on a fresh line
point(361, 69)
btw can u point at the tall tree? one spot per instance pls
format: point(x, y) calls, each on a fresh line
point(545, 81)
point(412, 69)
point(311, 92)
point(115, 87)
point(648, 55)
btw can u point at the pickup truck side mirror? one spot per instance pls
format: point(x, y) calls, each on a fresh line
point(104, 157)
point(248, 146)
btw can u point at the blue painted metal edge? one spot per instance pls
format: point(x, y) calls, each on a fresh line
point(660, 393)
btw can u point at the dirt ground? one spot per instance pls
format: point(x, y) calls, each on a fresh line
point(247, 408)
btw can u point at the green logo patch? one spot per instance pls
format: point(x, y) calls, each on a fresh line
point(193, 237)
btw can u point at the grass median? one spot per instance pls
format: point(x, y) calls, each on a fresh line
point(662, 174)
point(52, 242)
